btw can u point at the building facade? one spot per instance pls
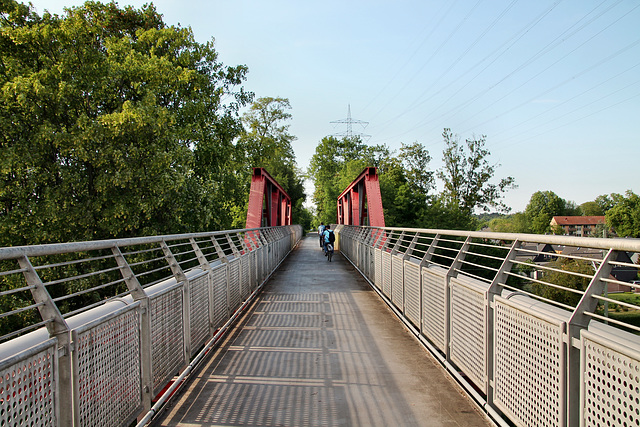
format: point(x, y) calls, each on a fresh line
point(579, 225)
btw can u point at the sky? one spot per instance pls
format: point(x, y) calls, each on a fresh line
point(554, 85)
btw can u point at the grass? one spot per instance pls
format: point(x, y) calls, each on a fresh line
point(625, 314)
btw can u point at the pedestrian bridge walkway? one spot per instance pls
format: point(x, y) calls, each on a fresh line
point(254, 327)
point(320, 348)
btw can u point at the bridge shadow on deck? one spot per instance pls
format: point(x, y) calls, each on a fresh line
point(319, 348)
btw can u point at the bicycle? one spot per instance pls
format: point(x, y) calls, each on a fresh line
point(329, 251)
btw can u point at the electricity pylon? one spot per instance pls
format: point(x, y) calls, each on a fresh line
point(350, 122)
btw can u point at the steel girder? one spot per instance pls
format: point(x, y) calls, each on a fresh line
point(269, 204)
point(361, 202)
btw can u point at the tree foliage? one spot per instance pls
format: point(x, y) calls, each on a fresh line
point(415, 159)
point(591, 209)
point(561, 277)
point(624, 216)
point(542, 207)
point(113, 124)
point(466, 175)
point(267, 144)
point(406, 183)
point(334, 165)
point(516, 223)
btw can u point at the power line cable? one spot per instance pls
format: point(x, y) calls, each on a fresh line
point(449, 37)
point(508, 43)
point(495, 134)
point(637, 95)
point(540, 53)
point(424, 40)
point(555, 63)
point(592, 67)
point(460, 57)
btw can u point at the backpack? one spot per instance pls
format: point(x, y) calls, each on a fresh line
point(332, 237)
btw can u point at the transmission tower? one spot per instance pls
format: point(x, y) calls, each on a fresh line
point(350, 122)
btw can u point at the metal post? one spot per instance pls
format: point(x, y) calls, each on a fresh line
point(426, 259)
point(579, 321)
point(225, 260)
point(138, 294)
point(452, 272)
point(495, 289)
point(58, 328)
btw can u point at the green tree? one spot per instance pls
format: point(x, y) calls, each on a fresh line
point(543, 206)
point(403, 198)
point(267, 144)
point(562, 277)
point(516, 223)
point(113, 124)
point(334, 165)
point(624, 217)
point(415, 160)
point(466, 175)
point(606, 202)
point(591, 209)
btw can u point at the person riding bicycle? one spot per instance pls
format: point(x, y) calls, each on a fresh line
point(328, 238)
point(320, 232)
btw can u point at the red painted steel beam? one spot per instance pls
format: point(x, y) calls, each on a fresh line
point(269, 204)
point(361, 202)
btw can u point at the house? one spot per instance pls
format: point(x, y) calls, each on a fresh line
point(578, 225)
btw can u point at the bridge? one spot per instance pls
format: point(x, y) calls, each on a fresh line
point(254, 327)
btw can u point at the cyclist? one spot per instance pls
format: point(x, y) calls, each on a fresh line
point(328, 239)
point(320, 232)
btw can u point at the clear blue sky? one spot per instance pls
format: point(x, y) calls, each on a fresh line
point(553, 84)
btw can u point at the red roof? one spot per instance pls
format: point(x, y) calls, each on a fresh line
point(579, 220)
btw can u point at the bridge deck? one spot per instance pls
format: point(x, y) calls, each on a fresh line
point(320, 348)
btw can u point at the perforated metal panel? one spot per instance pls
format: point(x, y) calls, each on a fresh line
point(259, 266)
point(234, 285)
point(610, 391)
point(397, 274)
point(468, 328)
point(412, 292)
point(434, 305)
point(377, 260)
point(245, 280)
point(167, 337)
point(253, 271)
point(271, 255)
point(386, 273)
point(28, 387)
point(107, 382)
point(199, 319)
point(529, 365)
point(219, 285)
point(370, 267)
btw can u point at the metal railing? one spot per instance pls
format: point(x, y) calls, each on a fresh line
point(540, 330)
point(93, 332)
